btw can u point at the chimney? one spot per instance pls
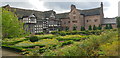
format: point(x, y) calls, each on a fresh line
point(101, 4)
point(73, 7)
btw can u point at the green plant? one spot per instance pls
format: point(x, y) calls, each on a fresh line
point(106, 27)
point(90, 27)
point(99, 27)
point(94, 27)
point(110, 26)
point(33, 38)
point(67, 42)
point(82, 28)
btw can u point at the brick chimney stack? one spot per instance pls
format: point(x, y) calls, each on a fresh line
point(73, 7)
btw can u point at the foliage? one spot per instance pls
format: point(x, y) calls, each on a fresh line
point(11, 27)
point(41, 32)
point(110, 26)
point(106, 27)
point(13, 40)
point(82, 28)
point(67, 42)
point(90, 27)
point(74, 27)
point(118, 22)
point(67, 28)
point(99, 27)
point(70, 37)
point(94, 27)
point(48, 36)
point(33, 38)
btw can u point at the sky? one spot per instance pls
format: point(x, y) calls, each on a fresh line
point(110, 7)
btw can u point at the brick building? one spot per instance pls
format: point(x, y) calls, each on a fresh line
point(77, 18)
point(47, 21)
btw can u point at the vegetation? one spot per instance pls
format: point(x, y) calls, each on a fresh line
point(82, 28)
point(99, 27)
point(11, 27)
point(104, 44)
point(33, 38)
point(90, 27)
point(94, 27)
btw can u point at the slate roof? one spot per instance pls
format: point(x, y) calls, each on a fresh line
point(109, 21)
point(62, 15)
point(89, 12)
point(25, 13)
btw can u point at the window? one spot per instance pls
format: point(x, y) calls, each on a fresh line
point(74, 21)
point(95, 20)
point(87, 20)
point(68, 21)
point(64, 22)
point(73, 17)
point(74, 12)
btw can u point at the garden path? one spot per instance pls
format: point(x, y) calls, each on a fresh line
point(6, 52)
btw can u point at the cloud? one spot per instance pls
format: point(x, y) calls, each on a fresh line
point(66, 5)
point(24, 5)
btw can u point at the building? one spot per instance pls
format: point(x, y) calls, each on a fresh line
point(111, 21)
point(36, 21)
point(47, 21)
point(77, 18)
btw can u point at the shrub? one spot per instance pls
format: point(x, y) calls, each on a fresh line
point(33, 38)
point(99, 27)
point(110, 26)
point(41, 32)
point(62, 33)
point(82, 28)
point(94, 27)
point(106, 27)
point(67, 42)
point(90, 27)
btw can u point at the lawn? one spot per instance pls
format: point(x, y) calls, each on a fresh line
point(67, 43)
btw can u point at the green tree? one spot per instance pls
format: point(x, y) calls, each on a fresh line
point(90, 27)
point(67, 28)
point(74, 27)
point(118, 22)
point(99, 27)
point(82, 28)
point(94, 27)
point(106, 27)
point(11, 26)
point(110, 26)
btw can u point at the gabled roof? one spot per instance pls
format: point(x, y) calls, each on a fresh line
point(26, 13)
point(89, 12)
point(48, 13)
point(62, 15)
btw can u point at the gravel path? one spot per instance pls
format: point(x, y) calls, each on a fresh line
point(6, 52)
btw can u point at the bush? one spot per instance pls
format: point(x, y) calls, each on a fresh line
point(94, 27)
point(90, 27)
point(67, 42)
point(33, 38)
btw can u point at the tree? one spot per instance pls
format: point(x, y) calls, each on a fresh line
point(11, 27)
point(82, 28)
point(90, 27)
point(110, 26)
point(118, 22)
point(74, 27)
point(67, 28)
point(94, 27)
point(99, 27)
point(106, 27)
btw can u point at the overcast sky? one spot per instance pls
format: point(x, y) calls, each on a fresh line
point(60, 6)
